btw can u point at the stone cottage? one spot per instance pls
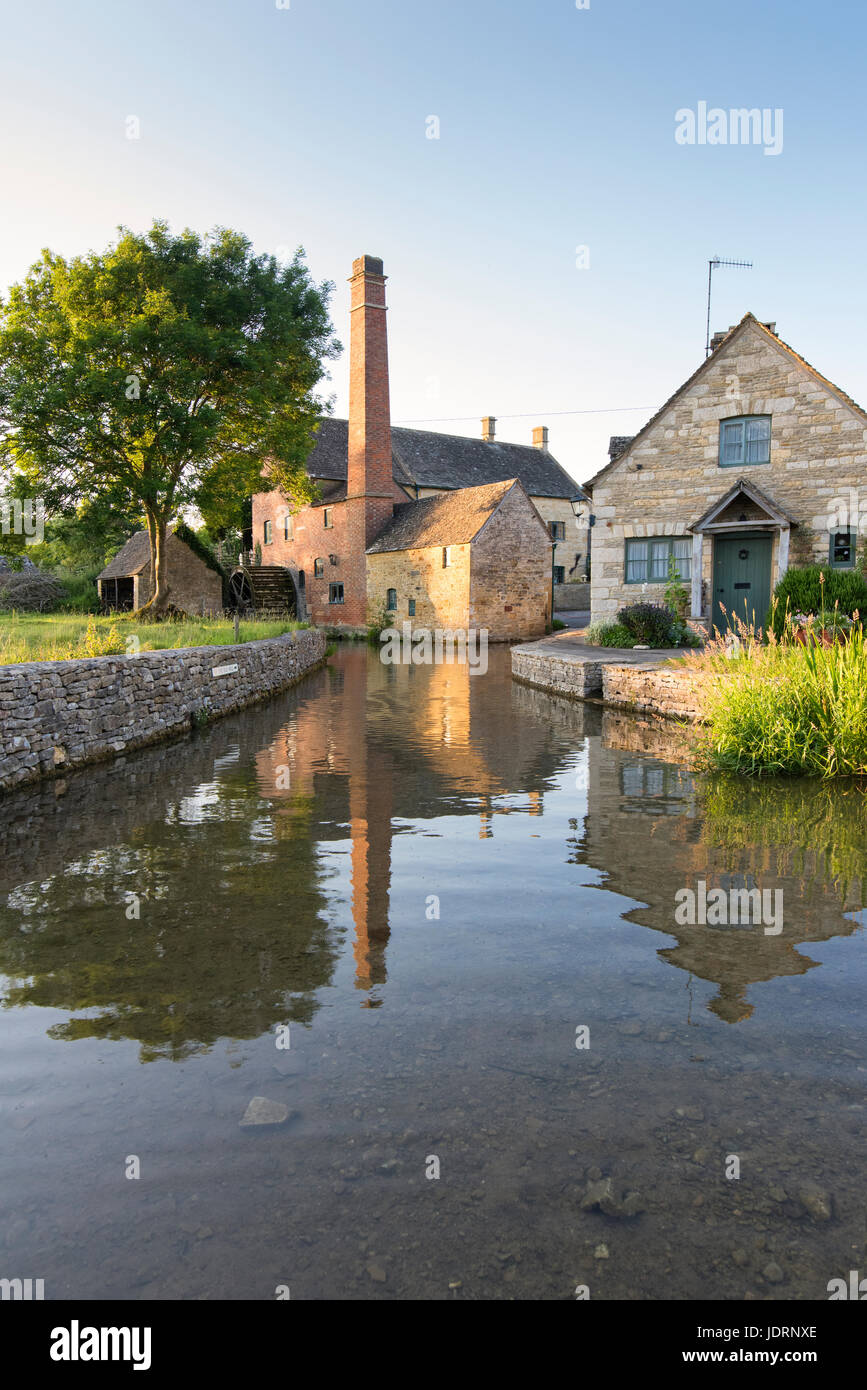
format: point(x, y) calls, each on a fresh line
point(368, 473)
point(756, 463)
point(439, 563)
point(126, 583)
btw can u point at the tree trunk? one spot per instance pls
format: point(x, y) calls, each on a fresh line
point(158, 602)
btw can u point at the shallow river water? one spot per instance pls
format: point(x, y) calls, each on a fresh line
point(455, 899)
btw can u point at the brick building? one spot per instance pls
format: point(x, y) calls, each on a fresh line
point(756, 463)
point(127, 583)
point(371, 477)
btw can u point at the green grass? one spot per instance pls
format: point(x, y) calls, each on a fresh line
point(785, 709)
point(65, 636)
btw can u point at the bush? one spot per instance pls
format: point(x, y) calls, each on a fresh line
point(813, 588)
point(615, 635)
point(648, 623)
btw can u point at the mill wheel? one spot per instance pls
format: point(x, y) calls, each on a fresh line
point(263, 589)
point(241, 591)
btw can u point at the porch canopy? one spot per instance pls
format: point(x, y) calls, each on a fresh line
point(743, 508)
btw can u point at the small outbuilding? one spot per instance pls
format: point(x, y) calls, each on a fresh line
point(127, 583)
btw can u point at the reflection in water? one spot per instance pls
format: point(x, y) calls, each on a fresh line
point(177, 906)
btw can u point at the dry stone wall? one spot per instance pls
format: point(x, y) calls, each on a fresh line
point(56, 715)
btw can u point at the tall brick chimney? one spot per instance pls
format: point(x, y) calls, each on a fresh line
point(489, 428)
point(540, 438)
point(370, 486)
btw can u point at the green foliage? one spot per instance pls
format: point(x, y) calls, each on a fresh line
point(81, 593)
point(813, 589)
point(610, 635)
point(60, 636)
point(200, 548)
point(649, 623)
point(558, 626)
point(161, 373)
point(379, 620)
point(790, 709)
point(676, 596)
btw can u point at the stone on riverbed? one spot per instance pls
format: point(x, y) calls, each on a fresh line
point(261, 1111)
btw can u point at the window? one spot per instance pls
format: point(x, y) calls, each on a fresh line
point(411, 608)
point(391, 601)
point(301, 580)
point(335, 593)
point(318, 568)
point(447, 556)
point(745, 440)
point(559, 574)
point(558, 530)
point(841, 554)
point(269, 534)
point(647, 560)
point(328, 518)
point(288, 528)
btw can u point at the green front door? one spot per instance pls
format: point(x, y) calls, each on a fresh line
point(741, 578)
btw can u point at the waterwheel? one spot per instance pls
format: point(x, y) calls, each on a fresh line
point(262, 589)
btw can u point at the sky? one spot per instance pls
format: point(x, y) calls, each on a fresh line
point(547, 252)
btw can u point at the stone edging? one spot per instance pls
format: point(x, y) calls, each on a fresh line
point(645, 687)
point(56, 715)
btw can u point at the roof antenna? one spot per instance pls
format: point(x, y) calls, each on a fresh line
point(711, 267)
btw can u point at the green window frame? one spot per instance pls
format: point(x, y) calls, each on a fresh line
point(647, 559)
point(268, 533)
point(411, 608)
point(558, 530)
point(559, 574)
point(744, 441)
point(391, 601)
point(327, 518)
point(841, 550)
point(335, 593)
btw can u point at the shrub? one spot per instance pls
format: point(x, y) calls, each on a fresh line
point(616, 635)
point(813, 588)
point(648, 623)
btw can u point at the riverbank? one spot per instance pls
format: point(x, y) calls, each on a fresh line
point(623, 678)
point(56, 715)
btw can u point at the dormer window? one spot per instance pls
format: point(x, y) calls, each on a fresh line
point(744, 440)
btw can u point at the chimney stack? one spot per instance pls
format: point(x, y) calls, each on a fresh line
point(540, 438)
point(369, 480)
point(489, 428)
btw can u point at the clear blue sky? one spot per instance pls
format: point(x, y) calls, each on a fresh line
point(307, 126)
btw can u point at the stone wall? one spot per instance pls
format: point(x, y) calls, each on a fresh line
point(571, 598)
point(647, 687)
point(56, 715)
point(669, 691)
point(665, 481)
point(557, 674)
point(510, 578)
point(441, 593)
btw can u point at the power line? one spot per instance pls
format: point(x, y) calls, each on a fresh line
point(527, 415)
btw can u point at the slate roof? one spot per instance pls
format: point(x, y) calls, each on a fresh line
point(422, 458)
point(451, 518)
point(132, 557)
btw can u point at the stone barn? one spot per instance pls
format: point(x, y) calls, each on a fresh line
point(127, 582)
point(479, 557)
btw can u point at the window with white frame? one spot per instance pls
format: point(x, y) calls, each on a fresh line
point(744, 440)
point(647, 559)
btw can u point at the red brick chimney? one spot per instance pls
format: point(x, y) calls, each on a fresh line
point(370, 485)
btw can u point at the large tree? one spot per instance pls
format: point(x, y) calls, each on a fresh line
point(161, 373)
